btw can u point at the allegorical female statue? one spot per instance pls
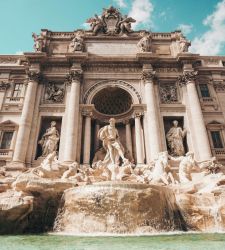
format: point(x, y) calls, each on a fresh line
point(175, 138)
point(49, 140)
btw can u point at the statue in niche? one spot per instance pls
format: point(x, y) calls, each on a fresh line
point(96, 24)
point(187, 166)
point(114, 150)
point(145, 44)
point(49, 140)
point(175, 137)
point(39, 42)
point(183, 45)
point(54, 93)
point(125, 24)
point(77, 43)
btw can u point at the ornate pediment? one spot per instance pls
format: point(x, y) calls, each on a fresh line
point(111, 22)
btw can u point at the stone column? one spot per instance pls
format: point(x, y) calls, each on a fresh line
point(22, 139)
point(200, 132)
point(138, 139)
point(87, 137)
point(72, 114)
point(128, 137)
point(96, 142)
point(152, 117)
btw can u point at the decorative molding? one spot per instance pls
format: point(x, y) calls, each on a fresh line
point(112, 68)
point(75, 75)
point(4, 85)
point(33, 75)
point(112, 83)
point(168, 93)
point(219, 86)
point(188, 76)
point(111, 22)
point(148, 75)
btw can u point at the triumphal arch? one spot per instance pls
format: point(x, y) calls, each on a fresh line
point(161, 96)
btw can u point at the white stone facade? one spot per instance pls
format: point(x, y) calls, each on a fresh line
point(110, 77)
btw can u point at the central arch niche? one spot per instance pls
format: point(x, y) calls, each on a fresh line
point(112, 101)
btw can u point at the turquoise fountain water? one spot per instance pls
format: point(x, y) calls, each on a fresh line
point(154, 242)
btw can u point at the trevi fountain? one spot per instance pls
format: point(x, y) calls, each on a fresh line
point(110, 137)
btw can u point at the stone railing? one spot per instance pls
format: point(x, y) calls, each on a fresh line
point(14, 100)
point(6, 153)
point(207, 99)
point(219, 152)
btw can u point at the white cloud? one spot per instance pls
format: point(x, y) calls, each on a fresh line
point(86, 26)
point(185, 28)
point(19, 53)
point(120, 3)
point(213, 40)
point(141, 10)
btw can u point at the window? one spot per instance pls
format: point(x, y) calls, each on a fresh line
point(6, 140)
point(216, 139)
point(17, 90)
point(204, 90)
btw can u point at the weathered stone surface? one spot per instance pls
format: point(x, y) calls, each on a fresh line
point(118, 207)
point(202, 212)
point(14, 208)
point(31, 183)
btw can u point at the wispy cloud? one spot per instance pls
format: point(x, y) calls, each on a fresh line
point(141, 10)
point(185, 28)
point(19, 53)
point(120, 3)
point(213, 40)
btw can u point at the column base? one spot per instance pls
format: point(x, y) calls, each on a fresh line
point(16, 166)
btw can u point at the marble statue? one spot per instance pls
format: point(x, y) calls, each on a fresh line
point(54, 93)
point(49, 140)
point(187, 166)
point(183, 45)
point(125, 24)
point(161, 171)
point(111, 22)
point(96, 24)
point(39, 42)
point(110, 138)
point(77, 43)
point(175, 137)
point(99, 156)
point(145, 44)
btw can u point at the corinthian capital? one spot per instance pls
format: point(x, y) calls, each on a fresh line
point(33, 75)
point(148, 75)
point(75, 75)
point(187, 76)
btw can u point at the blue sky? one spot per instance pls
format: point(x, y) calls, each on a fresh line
point(202, 21)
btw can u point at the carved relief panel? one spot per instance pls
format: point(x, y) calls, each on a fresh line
point(168, 93)
point(54, 93)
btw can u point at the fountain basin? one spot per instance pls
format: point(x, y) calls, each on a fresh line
point(118, 207)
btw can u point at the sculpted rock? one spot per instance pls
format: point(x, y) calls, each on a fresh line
point(14, 208)
point(118, 207)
